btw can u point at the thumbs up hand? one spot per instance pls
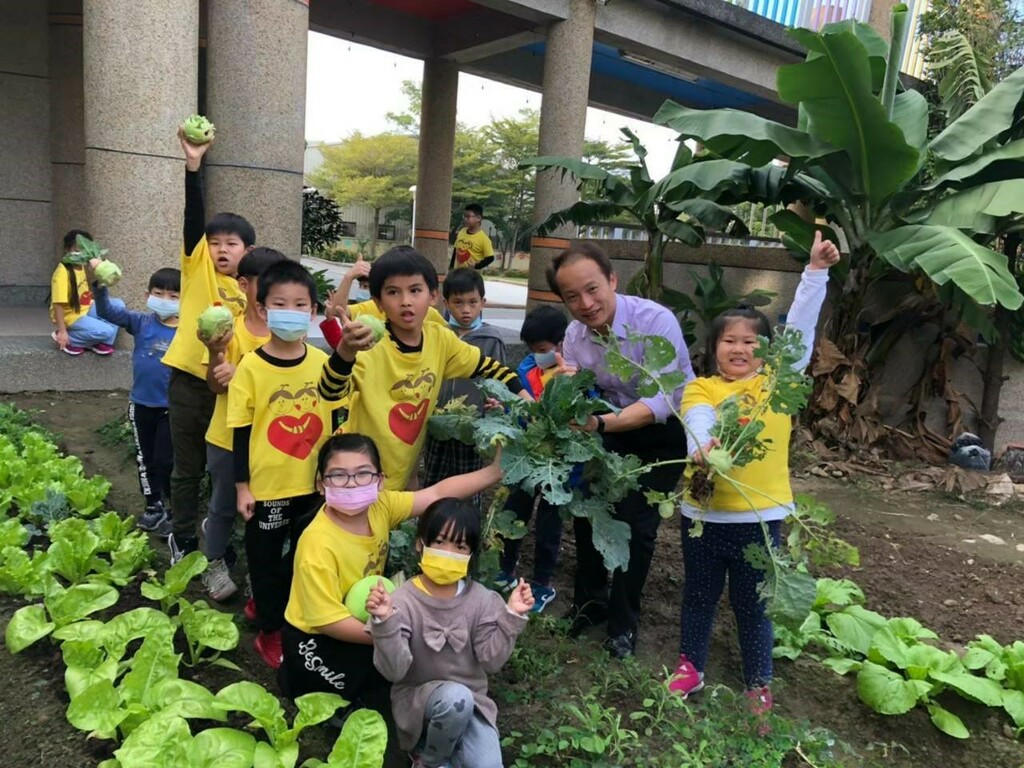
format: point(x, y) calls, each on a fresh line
point(223, 371)
point(360, 269)
point(824, 253)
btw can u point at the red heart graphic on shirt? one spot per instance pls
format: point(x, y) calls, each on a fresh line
point(406, 420)
point(295, 435)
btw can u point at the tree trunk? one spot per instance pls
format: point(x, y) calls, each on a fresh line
point(374, 231)
point(993, 377)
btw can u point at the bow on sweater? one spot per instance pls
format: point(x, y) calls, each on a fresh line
point(437, 636)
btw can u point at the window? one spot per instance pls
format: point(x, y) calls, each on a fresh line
point(385, 231)
point(348, 229)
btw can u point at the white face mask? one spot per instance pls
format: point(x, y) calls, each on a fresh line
point(163, 308)
point(546, 360)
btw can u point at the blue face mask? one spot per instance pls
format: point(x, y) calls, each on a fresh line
point(361, 295)
point(472, 326)
point(545, 359)
point(288, 324)
point(163, 308)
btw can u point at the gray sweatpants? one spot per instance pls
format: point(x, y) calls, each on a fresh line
point(455, 734)
point(220, 517)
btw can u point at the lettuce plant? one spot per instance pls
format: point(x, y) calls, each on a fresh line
point(59, 608)
point(361, 743)
point(176, 581)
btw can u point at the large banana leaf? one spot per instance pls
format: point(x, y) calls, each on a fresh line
point(740, 136)
point(577, 168)
point(910, 113)
point(710, 214)
point(947, 255)
point(835, 90)
point(898, 41)
point(979, 169)
point(702, 178)
point(978, 208)
point(581, 214)
point(996, 112)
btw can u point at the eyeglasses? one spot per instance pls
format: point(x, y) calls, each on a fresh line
point(341, 479)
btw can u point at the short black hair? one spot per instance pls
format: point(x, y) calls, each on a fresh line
point(575, 253)
point(282, 273)
point(166, 279)
point(401, 261)
point(257, 260)
point(231, 224)
point(462, 280)
point(757, 318)
point(460, 515)
point(545, 323)
point(71, 238)
point(346, 443)
point(475, 208)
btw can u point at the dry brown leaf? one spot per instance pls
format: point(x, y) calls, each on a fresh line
point(849, 387)
point(828, 358)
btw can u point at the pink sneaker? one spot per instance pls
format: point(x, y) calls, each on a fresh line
point(69, 349)
point(686, 679)
point(760, 700)
point(268, 646)
point(102, 349)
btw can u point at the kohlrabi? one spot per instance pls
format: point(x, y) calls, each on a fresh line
point(215, 321)
point(375, 324)
point(198, 130)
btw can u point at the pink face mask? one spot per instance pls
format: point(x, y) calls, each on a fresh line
point(349, 499)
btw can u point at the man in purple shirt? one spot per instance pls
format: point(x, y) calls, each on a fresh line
point(583, 278)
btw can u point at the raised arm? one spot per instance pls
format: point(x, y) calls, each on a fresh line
point(458, 486)
point(495, 634)
point(118, 314)
point(195, 207)
point(810, 295)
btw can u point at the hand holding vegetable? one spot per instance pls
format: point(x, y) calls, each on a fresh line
point(378, 602)
point(193, 152)
point(223, 371)
point(356, 336)
point(520, 602)
point(215, 322)
point(198, 130)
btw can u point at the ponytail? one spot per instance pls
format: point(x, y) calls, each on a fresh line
point(74, 300)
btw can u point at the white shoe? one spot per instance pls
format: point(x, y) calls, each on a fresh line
point(217, 581)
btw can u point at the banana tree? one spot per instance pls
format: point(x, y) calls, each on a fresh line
point(861, 148)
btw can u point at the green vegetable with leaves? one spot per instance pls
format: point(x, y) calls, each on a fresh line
point(198, 130)
point(214, 321)
point(375, 324)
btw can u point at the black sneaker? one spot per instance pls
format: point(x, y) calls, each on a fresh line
point(621, 646)
point(181, 546)
point(155, 520)
point(582, 619)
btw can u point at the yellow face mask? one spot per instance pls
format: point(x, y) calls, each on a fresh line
point(443, 567)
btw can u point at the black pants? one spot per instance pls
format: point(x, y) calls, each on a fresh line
point(656, 442)
point(191, 408)
point(547, 534)
point(273, 524)
point(153, 452)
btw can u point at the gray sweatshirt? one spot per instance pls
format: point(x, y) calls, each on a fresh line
point(428, 641)
point(488, 340)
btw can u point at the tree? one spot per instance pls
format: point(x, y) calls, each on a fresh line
point(376, 171)
point(321, 222)
point(408, 120)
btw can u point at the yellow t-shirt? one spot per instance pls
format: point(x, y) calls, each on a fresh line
point(393, 393)
point(329, 560)
point(60, 293)
point(472, 249)
point(242, 342)
point(769, 474)
point(201, 286)
point(369, 307)
point(289, 419)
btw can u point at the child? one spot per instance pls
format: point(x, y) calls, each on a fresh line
point(279, 423)
point(250, 331)
point(72, 309)
point(147, 402)
point(438, 637)
point(363, 304)
point(542, 332)
point(209, 262)
point(464, 298)
point(473, 247)
point(348, 540)
point(730, 525)
point(393, 385)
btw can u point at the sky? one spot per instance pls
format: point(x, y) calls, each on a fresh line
point(340, 101)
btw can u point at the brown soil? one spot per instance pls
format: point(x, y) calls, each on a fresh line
point(921, 556)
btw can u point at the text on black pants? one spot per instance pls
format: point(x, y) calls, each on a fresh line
point(153, 452)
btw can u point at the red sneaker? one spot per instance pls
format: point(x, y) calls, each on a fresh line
point(102, 349)
point(268, 646)
point(686, 679)
point(250, 609)
point(760, 700)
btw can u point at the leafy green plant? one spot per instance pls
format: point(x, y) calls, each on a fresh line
point(166, 741)
point(176, 581)
point(34, 471)
point(322, 225)
point(324, 286)
point(117, 435)
point(711, 298)
point(59, 608)
point(361, 743)
point(208, 633)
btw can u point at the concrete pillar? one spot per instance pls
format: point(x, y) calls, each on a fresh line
point(563, 118)
point(27, 253)
point(140, 83)
point(256, 96)
point(436, 161)
point(67, 119)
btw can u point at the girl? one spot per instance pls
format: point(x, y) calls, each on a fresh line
point(438, 637)
point(325, 647)
point(72, 310)
point(730, 525)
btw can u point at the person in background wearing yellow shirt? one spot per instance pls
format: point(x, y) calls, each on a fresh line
point(250, 331)
point(472, 245)
point(209, 263)
point(729, 523)
point(72, 309)
point(279, 422)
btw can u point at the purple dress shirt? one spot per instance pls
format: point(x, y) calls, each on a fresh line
point(581, 349)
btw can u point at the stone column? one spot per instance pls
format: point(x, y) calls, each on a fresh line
point(140, 83)
point(27, 252)
point(563, 118)
point(67, 118)
point(436, 161)
point(256, 96)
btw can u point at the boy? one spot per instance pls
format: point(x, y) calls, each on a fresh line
point(279, 423)
point(393, 384)
point(250, 331)
point(209, 262)
point(464, 298)
point(472, 245)
point(147, 402)
point(364, 303)
point(72, 310)
point(542, 332)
